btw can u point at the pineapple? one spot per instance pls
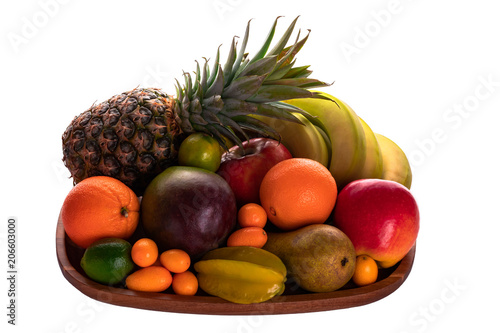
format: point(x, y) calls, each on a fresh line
point(135, 135)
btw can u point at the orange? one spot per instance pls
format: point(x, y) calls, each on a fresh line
point(252, 215)
point(99, 207)
point(366, 271)
point(249, 236)
point(298, 192)
point(175, 260)
point(151, 279)
point(144, 252)
point(185, 283)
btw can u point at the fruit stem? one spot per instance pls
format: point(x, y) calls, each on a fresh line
point(124, 211)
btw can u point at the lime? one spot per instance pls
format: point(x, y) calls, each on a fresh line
point(108, 260)
point(200, 150)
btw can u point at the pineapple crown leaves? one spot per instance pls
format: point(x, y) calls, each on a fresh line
point(220, 101)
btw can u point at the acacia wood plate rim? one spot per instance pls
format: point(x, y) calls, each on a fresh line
point(210, 305)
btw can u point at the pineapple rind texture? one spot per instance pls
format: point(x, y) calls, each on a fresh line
point(127, 137)
point(134, 136)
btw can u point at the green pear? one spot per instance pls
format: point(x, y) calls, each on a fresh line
point(318, 257)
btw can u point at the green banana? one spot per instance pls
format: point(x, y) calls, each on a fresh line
point(346, 134)
point(373, 166)
point(396, 164)
point(304, 141)
point(326, 138)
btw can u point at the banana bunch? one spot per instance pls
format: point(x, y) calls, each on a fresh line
point(307, 140)
point(340, 140)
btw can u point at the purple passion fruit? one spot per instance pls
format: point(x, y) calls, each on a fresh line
point(188, 208)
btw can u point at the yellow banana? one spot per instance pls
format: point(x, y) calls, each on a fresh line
point(301, 140)
point(373, 166)
point(396, 164)
point(346, 134)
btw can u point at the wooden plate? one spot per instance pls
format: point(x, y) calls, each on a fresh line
point(294, 300)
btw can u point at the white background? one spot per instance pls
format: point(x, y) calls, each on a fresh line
point(424, 73)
